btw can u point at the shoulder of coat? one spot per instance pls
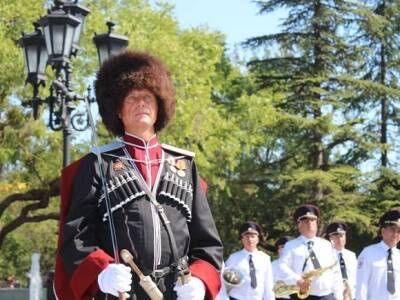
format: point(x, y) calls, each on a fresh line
point(107, 148)
point(177, 150)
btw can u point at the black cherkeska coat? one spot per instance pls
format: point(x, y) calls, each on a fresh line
point(137, 224)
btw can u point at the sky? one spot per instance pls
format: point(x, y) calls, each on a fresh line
point(237, 19)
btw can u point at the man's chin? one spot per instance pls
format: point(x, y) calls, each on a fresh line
point(143, 119)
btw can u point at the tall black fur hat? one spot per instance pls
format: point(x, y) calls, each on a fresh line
point(126, 71)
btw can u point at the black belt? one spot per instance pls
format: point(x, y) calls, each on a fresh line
point(160, 273)
point(171, 269)
point(312, 297)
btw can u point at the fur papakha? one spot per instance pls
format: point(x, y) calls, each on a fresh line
point(133, 70)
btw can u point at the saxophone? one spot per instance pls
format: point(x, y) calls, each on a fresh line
point(281, 289)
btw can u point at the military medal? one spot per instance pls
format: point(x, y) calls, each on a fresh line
point(172, 168)
point(171, 160)
point(118, 165)
point(181, 166)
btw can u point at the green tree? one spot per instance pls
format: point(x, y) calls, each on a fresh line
point(317, 148)
point(379, 34)
point(200, 125)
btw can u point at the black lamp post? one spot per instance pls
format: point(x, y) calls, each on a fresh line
point(109, 43)
point(80, 12)
point(61, 29)
point(35, 54)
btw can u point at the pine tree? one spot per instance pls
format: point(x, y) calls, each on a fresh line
point(379, 33)
point(321, 149)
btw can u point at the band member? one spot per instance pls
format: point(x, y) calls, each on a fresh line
point(308, 252)
point(378, 273)
point(279, 245)
point(336, 233)
point(253, 264)
point(159, 209)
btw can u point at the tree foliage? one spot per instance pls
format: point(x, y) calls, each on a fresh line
point(323, 140)
point(30, 156)
point(295, 127)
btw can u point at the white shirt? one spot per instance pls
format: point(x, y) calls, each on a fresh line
point(295, 254)
point(372, 273)
point(350, 261)
point(277, 274)
point(262, 263)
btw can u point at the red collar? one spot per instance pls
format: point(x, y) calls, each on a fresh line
point(136, 141)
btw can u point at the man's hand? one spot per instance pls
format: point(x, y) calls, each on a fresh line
point(346, 292)
point(193, 290)
point(304, 285)
point(114, 279)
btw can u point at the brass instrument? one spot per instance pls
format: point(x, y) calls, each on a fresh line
point(281, 289)
point(232, 278)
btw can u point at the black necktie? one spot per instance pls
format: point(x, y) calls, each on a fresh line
point(390, 274)
point(312, 255)
point(253, 279)
point(343, 267)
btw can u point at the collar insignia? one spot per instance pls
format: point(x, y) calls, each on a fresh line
point(171, 161)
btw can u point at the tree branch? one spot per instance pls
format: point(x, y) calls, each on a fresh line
point(41, 198)
point(53, 190)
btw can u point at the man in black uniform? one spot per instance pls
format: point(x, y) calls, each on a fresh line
point(135, 95)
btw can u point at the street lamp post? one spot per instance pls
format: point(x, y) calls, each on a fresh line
point(54, 42)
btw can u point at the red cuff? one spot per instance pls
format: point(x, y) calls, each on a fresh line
point(209, 275)
point(84, 279)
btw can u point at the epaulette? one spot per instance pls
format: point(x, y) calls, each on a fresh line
point(178, 150)
point(107, 147)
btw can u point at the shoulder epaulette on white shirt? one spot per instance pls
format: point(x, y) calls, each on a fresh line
point(107, 147)
point(178, 150)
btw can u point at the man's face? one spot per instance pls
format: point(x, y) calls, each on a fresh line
point(250, 241)
point(338, 240)
point(391, 235)
point(139, 111)
point(308, 227)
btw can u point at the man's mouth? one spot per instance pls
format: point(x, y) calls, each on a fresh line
point(142, 113)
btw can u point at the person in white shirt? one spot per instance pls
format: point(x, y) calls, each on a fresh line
point(336, 233)
point(378, 272)
point(279, 245)
point(253, 264)
point(308, 252)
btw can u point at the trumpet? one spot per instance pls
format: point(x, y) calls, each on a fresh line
point(281, 289)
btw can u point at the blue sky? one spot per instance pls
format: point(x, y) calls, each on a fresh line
point(237, 19)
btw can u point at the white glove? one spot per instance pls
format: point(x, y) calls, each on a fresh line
point(115, 278)
point(193, 290)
